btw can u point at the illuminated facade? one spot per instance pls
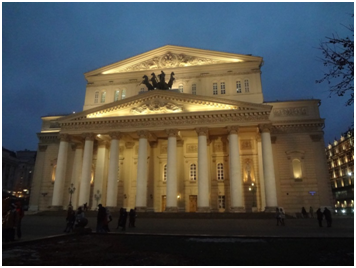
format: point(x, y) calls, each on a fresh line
point(209, 144)
point(340, 158)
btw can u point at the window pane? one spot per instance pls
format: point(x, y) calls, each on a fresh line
point(117, 92)
point(215, 89)
point(194, 89)
point(238, 86)
point(222, 87)
point(247, 86)
point(96, 97)
point(103, 95)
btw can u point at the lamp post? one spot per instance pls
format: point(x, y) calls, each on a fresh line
point(252, 188)
point(97, 197)
point(71, 190)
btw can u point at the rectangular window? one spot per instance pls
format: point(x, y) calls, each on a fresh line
point(222, 87)
point(247, 86)
point(96, 97)
point(215, 88)
point(194, 89)
point(221, 200)
point(220, 168)
point(123, 96)
point(238, 86)
point(103, 95)
point(193, 172)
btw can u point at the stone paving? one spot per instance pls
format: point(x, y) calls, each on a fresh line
point(40, 226)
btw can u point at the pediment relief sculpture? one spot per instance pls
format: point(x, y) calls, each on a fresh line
point(156, 106)
point(170, 60)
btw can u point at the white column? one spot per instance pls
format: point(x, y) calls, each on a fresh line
point(100, 175)
point(76, 173)
point(111, 198)
point(84, 192)
point(236, 185)
point(57, 200)
point(268, 168)
point(171, 204)
point(141, 182)
point(261, 175)
point(203, 179)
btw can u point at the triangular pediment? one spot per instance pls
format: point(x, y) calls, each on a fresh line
point(165, 102)
point(172, 57)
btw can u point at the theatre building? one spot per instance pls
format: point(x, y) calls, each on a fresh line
point(180, 129)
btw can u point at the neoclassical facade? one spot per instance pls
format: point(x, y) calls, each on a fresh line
point(209, 144)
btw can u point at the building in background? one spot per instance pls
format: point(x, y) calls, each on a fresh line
point(207, 143)
point(17, 173)
point(340, 158)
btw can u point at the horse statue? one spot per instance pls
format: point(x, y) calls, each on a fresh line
point(171, 80)
point(145, 82)
point(154, 80)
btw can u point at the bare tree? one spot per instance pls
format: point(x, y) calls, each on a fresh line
point(338, 56)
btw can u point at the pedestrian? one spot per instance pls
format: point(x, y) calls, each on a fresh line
point(20, 214)
point(10, 223)
point(304, 213)
point(327, 214)
point(282, 216)
point(80, 219)
point(278, 216)
point(70, 220)
point(122, 219)
point(85, 207)
point(108, 219)
point(132, 217)
point(100, 219)
point(311, 212)
point(319, 216)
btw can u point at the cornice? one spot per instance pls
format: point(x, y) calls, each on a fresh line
point(298, 127)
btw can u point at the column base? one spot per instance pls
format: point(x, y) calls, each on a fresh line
point(204, 209)
point(270, 209)
point(171, 209)
point(56, 208)
point(141, 209)
point(237, 210)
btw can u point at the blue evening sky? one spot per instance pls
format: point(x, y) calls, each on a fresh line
point(47, 47)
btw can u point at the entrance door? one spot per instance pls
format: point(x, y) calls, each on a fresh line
point(193, 203)
point(164, 200)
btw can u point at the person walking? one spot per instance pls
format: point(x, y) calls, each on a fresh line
point(108, 219)
point(100, 219)
point(70, 220)
point(319, 216)
point(327, 214)
point(122, 219)
point(282, 216)
point(9, 224)
point(304, 213)
point(132, 218)
point(80, 219)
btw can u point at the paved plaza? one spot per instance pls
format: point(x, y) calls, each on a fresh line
point(40, 226)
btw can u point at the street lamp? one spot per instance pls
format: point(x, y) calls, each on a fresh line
point(71, 190)
point(252, 188)
point(97, 197)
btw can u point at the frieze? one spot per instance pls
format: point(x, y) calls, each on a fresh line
point(297, 128)
point(246, 145)
point(295, 111)
point(156, 106)
point(170, 60)
point(192, 148)
point(172, 120)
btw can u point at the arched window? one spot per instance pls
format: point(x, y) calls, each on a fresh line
point(220, 168)
point(193, 172)
point(215, 88)
point(194, 89)
point(238, 86)
point(103, 95)
point(123, 94)
point(180, 88)
point(222, 87)
point(165, 173)
point(247, 85)
point(117, 95)
point(96, 97)
point(297, 168)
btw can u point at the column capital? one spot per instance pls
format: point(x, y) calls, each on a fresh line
point(265, 127)
point(64, 137)
point(172, 132)
point(88, 136)
point(202, 131)
point(233, 129)
point(115, 135)
point(143, 134)
point(129, 144)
